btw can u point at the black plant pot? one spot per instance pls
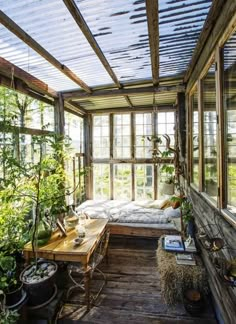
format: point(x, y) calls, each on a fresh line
point(39, 292)
point(15, 296)
point(193, 302)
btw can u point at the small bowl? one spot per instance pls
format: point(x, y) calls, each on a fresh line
point(77, 241)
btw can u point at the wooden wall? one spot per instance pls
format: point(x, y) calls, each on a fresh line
point(223, 294)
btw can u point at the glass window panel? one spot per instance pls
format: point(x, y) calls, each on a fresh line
point(122, 181)
point(210, 183)
point(165, 183)
point(230, 120)
point(143, 181)
point(101, 137)
point(101, 181)
point(143, 128)
point(122, 137)
point(195, 139)
point(74, 128)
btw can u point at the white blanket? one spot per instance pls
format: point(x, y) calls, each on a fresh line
point(145, 212)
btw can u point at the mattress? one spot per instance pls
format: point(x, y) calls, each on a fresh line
point(119, 211)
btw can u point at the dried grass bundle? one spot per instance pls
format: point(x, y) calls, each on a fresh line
point(175, 278)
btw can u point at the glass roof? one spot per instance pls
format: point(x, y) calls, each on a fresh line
point(120, 29)
point(180, 24)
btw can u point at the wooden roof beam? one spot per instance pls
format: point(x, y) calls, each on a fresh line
point(123, 92)
point(11, 71)
point(213, 16)
point(144, 108)
point(76, 14)
point(20, 33)
point(153, 31)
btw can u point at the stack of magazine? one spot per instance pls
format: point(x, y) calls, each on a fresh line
point(173, 243)
point(185, 258)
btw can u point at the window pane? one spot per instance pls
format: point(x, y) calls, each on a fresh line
point(122, 136)
point(143, 128)
point(230, 120)
point(74, 128)
point(165, 180)
point(143, 181)
point(209, 128)
point(195, 139)
point(101, 142)
point(165, 125)
point(101, 181)
point(122, 181)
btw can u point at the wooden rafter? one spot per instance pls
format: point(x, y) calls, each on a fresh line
point(123, 92)
point(128, 101)
point(28, 82)
point(213, 15)
point(143, 108)
point(153, 31)
point(20, 33)
point(76, 14)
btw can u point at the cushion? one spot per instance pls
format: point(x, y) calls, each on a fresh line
point(165, 204)
point(171, 212)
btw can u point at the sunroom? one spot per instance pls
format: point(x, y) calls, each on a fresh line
point(118, 141)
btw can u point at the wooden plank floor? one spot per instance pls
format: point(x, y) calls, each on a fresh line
point(132, 293)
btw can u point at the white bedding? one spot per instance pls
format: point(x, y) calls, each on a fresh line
point(118, 211)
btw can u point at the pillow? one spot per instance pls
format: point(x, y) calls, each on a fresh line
point(171, 212)
point(165, 204)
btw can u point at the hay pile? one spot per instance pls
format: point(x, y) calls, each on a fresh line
point(175, 278)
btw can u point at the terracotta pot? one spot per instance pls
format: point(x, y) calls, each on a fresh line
point(193, 302)
point(13, 297)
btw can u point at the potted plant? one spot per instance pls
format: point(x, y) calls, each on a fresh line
point(46, 189)
point(169, 179)
point(7, 316)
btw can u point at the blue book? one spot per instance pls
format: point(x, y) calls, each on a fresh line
point(173, 243)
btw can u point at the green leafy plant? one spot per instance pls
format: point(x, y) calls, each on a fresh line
point(8, 280)
point(168, 170)
point(7, 316)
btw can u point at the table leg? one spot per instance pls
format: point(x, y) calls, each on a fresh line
point(87, 288)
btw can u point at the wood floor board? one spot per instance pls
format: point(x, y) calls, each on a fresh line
point(132, 294)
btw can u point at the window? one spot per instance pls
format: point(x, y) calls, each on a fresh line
point(230, 120)
point(101, 181)
point(165, 125)
point(144, 181)
point(122, 136)
point(122, 182)
point(143, 129)
point(101, 136)
point(195, 138)
point(74, 129)
point(129, 171)
point(210, 134)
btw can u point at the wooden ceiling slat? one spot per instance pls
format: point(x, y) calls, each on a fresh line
point(76, 14)
point(153, 31)
point(20, 33)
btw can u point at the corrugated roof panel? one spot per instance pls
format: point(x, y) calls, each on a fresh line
point(18, 53)
point(52, 26)
point(120, 28)
point(180, 24)
point(139, 100)
point(103, 103)
point(165, 98)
